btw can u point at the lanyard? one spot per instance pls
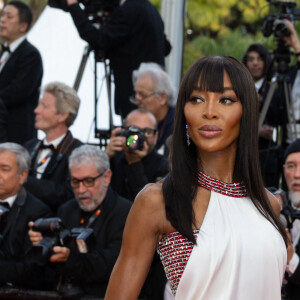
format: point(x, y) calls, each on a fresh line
point(91, 219)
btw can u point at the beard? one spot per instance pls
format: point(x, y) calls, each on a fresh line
point(295, 198)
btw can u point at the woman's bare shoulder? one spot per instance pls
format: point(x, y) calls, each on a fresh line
point(151, 196)
point(274, 202)
point(150, 204)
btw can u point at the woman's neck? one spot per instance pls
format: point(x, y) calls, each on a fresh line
point(218, 165)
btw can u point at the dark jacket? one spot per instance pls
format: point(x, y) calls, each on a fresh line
point(53, 188)
point(128, 180)
point(20, 81)
point(3, 122)
point(132, 34)
point(91, 271)
point(16, 244)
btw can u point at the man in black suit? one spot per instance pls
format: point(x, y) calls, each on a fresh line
point(19, 207)
point(98, 207)
point(291, 170)
point(49, 175)
point(132, 33)
point(133, 167)
point(21, 72)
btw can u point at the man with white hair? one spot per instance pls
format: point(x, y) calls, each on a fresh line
point(49, 176)
point(95, 206)
point(154, 91)
point(291, 170)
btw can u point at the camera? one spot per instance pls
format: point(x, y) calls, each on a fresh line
point(288, 215)
point(135, 137)
point(90, 6)
point(55, 234)
point(274, 24)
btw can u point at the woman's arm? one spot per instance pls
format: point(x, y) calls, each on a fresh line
point(143, 230)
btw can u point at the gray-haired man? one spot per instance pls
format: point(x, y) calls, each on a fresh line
point(95, 206)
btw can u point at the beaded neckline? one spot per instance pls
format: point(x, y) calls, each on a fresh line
point(235, 189)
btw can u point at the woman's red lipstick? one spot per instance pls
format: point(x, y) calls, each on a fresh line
point(210, 131)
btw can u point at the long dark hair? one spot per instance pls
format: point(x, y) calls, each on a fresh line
point(180, 186)
point(263, 53)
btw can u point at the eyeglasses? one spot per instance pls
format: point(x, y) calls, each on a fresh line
point(87, 181)
point(136, 101)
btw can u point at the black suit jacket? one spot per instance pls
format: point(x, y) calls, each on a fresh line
point(16, 244)
point(53, 188)
point(91, 271)
point(3, 122)
point(128, 180)
point(133, 33)
point(20, 81)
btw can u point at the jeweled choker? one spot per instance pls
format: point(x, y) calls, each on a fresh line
point(235, 189)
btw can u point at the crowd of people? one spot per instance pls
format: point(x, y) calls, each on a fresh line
point(188, 180)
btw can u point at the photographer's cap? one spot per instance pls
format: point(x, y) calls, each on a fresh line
point(292, 148)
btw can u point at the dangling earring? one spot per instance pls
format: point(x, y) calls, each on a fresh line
point(188, 141)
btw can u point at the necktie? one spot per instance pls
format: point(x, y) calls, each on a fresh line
point(4, 49)
point(50, 146)
point(5, 204)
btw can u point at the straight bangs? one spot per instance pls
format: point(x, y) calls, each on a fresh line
point(211, 75)
point(206, 75)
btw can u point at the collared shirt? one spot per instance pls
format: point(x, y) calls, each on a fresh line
point(295, 235)
point(12, 47)
point(45, 155)
point(259, 83)
point(10, 200)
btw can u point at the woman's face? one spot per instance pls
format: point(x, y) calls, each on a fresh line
point(214, 118)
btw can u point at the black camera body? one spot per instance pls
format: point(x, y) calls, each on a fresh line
point(274, 24)
point(55, 234)
point(288, 215)
point(134, 137)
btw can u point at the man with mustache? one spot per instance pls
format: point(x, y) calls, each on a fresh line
point(291, 170)
point(95, 206)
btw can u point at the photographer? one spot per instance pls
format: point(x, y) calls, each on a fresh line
point(258, 61)
point(291, 170)
point(49, 175)
point(134, 168)
point(133, 32)
point(155, 92)
point(294, 77)
point(98, 207)
point(18, 207)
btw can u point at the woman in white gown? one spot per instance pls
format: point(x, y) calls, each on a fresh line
point(212, 222)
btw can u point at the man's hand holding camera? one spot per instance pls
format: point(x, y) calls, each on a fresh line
point(133, 156)
point(116, 143)
point(122, 140)
point(292, 40)
point(70, 2)
point(60, 254)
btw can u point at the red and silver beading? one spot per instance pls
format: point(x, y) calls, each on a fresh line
point(174, 251)
point(235, 189)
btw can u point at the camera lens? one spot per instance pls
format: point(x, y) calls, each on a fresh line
point(132, 141)
point(280, 28)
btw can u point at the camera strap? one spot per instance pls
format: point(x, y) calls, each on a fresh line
point(91, 219)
